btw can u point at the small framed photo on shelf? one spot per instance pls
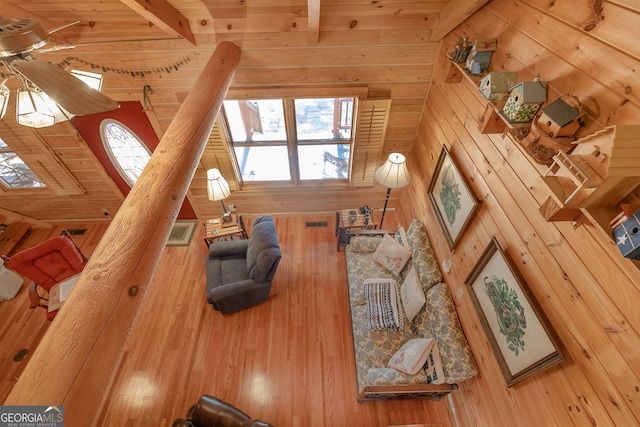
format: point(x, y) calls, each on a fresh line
point(454, 203)
point(520, 336)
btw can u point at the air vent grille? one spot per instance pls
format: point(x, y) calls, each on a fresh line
point(316, 224)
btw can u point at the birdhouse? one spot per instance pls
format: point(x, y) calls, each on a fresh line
point(461, 51)
point(496, 85)
point(478, 59)
point(627, 237)
point(524, 100)
point(559, 119)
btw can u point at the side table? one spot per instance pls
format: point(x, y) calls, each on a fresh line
point(215, 229)
point(351, 219)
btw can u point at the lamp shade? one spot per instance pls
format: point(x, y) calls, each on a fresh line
point(32, 109)
point(4, 99)
point(217, 186)
point(393, 173)
point(36, 109)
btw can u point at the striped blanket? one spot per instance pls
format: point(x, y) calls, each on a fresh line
point(382, 298)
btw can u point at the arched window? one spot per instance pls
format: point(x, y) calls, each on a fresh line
point(127, 152)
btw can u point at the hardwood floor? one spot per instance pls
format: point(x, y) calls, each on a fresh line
point(288, 361)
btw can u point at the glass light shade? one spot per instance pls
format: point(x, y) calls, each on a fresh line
point(4, 99)
point(393, 173)
point(92, 79)
point(36, 109)
point(217, 186)
point(32, 109)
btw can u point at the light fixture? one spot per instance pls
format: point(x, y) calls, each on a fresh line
point(94, 80)
point(392, 174)
point(218, 189)
point(4, 98)
point(36, 109)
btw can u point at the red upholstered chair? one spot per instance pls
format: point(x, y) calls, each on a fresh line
point(46, 264)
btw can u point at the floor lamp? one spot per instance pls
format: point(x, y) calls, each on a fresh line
point(392, 174)
point(218, 189)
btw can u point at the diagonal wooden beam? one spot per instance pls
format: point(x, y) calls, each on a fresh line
point(165, 16)
point(453, 14)
point(78, 359)
point(314, 20)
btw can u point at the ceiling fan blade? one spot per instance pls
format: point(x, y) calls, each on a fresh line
point(67, 91)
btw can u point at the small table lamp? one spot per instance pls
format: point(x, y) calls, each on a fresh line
point(218, 189)
point(392, 174)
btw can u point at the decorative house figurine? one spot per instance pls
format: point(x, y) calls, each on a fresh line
point(480, 55)
point(524, 100)
point(496, 85)
point(559, 119)
point(461, 51)
point(627, 237)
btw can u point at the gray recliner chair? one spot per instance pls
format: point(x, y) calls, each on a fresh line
point(239, 272)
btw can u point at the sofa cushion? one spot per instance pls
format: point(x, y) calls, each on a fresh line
point(361, 244)
point(390, 376)
point(439, 319)
point(391, 255)
point(412, 295)
point(422, 256)
point(360, 267)
point(374, 348)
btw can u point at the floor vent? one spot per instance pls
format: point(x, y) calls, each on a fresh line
point(77, 231)
point(316, 224)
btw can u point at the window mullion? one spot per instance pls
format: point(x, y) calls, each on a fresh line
point(290, 122)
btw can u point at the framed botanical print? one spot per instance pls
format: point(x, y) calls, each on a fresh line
point(519, 334)
point(454, 203)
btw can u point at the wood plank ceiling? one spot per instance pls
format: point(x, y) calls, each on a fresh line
point(153, 51)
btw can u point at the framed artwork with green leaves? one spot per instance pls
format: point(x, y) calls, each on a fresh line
point(519, 333)
point(454, 203)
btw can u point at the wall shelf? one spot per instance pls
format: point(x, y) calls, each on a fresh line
point(588, 178)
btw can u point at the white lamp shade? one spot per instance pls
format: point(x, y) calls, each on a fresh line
point(4, 99)
point(217, 186)
point(36, 109)
point(393, 173)
point(32, 109)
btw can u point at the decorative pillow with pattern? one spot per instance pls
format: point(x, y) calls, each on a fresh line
point(412, 295)
point(401, 237)
point(412, 355)
point(391, 255)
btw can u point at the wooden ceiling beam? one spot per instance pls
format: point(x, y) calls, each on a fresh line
point(454, 14)
point(164, 15)
point(314, 20)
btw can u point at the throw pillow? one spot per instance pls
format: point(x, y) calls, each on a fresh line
point(391, 255)
point(412, 296)
point(401, 237)
point(412, 355)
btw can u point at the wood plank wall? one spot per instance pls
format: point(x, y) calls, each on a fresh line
point(383, 48)
point(585, 287)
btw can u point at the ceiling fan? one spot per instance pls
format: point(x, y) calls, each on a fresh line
point(19, 37)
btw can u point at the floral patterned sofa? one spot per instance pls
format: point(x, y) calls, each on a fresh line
point(436, 319)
